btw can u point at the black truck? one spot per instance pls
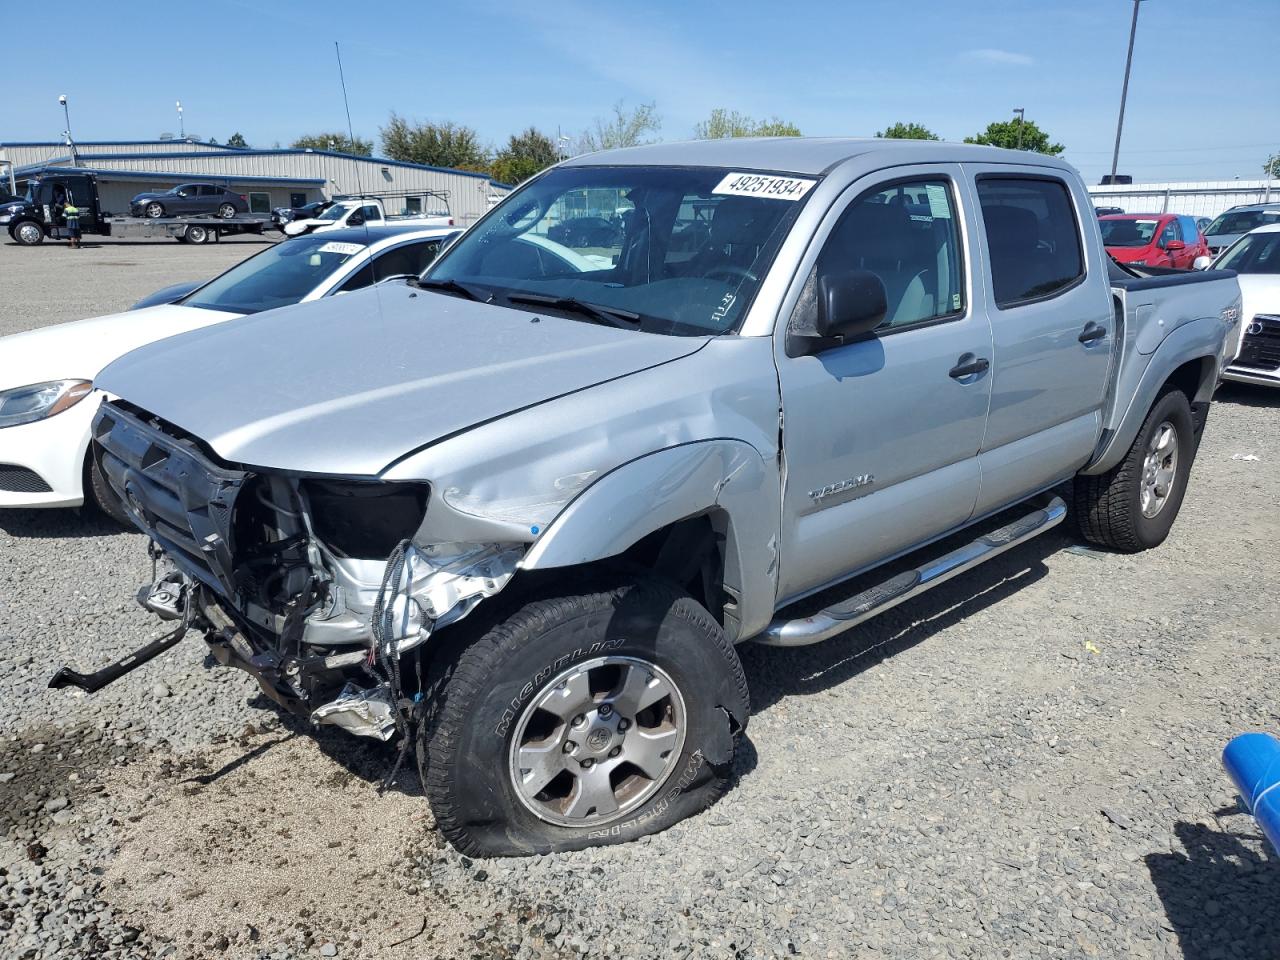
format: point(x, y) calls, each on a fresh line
point(38, 214)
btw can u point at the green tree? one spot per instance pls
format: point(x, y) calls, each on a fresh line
point(907, 131)
point(1004, 133)
point(723, 124)
point(339, 142)
point(626, 128)
point(1272, 167)
point(524, 155)
point(444, 144)
point(237, 140)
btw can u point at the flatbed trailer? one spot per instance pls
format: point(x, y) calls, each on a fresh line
point(194, 229)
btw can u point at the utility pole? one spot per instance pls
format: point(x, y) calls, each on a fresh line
point(66, 116)
point(182, 131)
point(1022, 115)
point(1124, 90)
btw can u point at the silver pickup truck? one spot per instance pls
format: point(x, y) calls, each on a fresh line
point(519, 513)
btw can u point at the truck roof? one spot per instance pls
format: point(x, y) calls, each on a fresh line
point(808, 155)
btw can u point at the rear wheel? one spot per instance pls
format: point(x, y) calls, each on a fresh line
point(153, 210)
point(580, 720)
point(1132, 506)
point(28, 233)
point(227, 211)
point(196, 234)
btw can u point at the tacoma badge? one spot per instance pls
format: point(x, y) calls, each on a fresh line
point(831, 489)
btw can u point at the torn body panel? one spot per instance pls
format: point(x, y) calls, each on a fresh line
point(262, 563)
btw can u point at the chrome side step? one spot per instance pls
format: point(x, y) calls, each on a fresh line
point(863, 606)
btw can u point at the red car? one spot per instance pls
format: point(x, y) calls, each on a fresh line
point(1153, 239)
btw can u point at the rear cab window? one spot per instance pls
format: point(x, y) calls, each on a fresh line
point(1033, 237)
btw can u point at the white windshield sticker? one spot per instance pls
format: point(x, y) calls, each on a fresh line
point(938, 204)
point(346, 249)
point(764, 185)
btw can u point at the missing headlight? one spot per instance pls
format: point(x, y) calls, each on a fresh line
point(365, 519)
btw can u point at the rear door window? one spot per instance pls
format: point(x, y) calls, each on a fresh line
point(409, 259)
point(208, 191)
point(1033, 238)
point(371, 212)
point(1170, 232)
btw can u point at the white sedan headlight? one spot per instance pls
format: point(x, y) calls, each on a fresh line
point(37, 401)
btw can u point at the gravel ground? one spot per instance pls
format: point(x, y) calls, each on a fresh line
point(1021, 763)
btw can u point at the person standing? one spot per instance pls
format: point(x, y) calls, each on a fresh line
point(72, 214)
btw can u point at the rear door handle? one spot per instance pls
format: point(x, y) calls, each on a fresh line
point(967, 366)
point(1091, 332)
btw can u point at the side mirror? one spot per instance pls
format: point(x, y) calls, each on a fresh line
point(850, 304)
point(1175, 245)
point(1201, 263)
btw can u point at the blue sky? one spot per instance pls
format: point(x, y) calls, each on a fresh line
point(1204, 100)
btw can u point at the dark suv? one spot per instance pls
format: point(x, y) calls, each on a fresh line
point(189, 198)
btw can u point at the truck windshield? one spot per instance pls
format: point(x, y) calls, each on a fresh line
point(677, 250)
point(1127, 233)
point(277, 277)
point(1256, 253)
point(336, 212)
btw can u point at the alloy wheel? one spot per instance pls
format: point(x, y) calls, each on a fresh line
point(1159, 469)
point(597, 741)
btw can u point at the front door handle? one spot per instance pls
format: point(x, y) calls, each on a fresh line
point(967, 366)
point(1091, 332)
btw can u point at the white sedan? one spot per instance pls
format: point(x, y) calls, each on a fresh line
point(1256, 259)
point(47, 399)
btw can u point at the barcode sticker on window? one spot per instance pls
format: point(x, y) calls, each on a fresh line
point(764, 185)
point(346, 249)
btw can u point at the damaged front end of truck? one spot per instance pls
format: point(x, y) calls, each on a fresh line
point(322, 588)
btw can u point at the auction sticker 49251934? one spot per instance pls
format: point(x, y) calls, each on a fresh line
point(767, 185)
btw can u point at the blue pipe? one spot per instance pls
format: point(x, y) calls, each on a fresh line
point(1252, 760)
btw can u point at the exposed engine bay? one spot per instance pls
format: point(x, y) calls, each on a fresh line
point(317, 586)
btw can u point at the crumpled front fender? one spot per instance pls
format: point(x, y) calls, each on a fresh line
point(727, 479)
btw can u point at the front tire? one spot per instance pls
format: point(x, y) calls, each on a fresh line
point(580, 720)
point(28, 233)
point(196, 234)
point(153, 210)
point(1132, 506)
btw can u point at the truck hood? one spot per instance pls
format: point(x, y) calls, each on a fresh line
point(80, 349)
point(349, 384)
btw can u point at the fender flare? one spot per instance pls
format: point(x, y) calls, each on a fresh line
point(725, 478)
point(1197, 340)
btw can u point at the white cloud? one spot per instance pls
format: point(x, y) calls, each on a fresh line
point(991, 55)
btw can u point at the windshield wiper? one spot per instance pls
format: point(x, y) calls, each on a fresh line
point(610, 316)
point(479, 294)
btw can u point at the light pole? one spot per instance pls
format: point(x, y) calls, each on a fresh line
point(1124, 90)
point(66, 116)
point(182, 131)
point(1022, 115)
